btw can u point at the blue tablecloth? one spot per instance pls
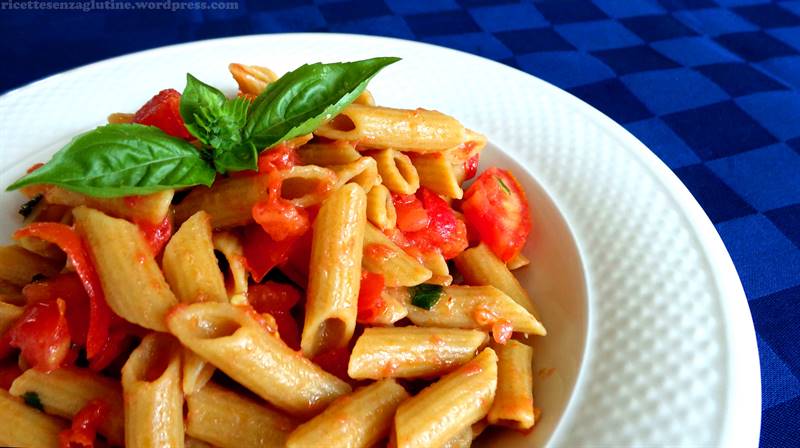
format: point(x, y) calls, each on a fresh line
point(711, 86)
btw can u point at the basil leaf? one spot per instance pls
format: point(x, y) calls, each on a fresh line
point(123, 160)
point(425, 295)
point(503, 184)
point(32, 399)
point(27, 208)
point(300, 100)
point(218, 121)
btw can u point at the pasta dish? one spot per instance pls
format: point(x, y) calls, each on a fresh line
point(291, 266)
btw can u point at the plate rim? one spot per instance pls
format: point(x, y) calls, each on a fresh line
point(741, 419)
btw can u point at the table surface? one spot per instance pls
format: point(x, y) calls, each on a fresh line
point(710, 86)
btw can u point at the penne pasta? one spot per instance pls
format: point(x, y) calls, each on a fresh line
point(231, 248)
point(519, 261)
point(363, 172)
point(398, 173)
point(412, 352)
point(195, 372)
point(8, 315)
point(233, 340)
point(191, 442)
point(132, 282)
point(394, 307)
point(152, 390)
point(475, 307)
point(229, 201)
point(306, 185)
point(380, 208)
point(229, 420)
point(335, 271)
point(189, 263)
point(513, 403)
point(358, 420)
point(64, 392)
point(151, 208)
point(252, 79)
point(437, 174)
point(338, 152)
point(480, 266)
point(120, 118)
point(416, 130)
point(365, 98)
point(24, 426)
point(382, 256)
point(11, 293)
point(18, 266)
point(447, 407)
point(464, 438)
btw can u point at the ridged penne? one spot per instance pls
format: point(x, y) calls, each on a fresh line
point(151, 208)
point(513, 403)
point(358, 420)
point(18, 266)
point(380, 208)
point(189, 263)
point(464, 438)
point(231, 338)
point(151, 384)
point(8, 315)
point(397, 171)
point(195, 372)
point(518, 261)
point(394, 307)
point(338, 152)
point(412, 352)
point(480, 266)
point(132, 282)
point(306, 185)
point(363, 172)
point(335, 270)
point(417, 130)
point(448, 406)
point(64, 392)
point(229, 420)
point(382, 256)
point(229, 202)
point(475, 307)
point(365, 98)
point(24, 426)
point(436, 173)
point(231, 247)
point(252, 79)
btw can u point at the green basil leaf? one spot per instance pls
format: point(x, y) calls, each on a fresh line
point(425, 295)
point(300, 100)
point(123, 160)
point(27, 208)
point(32, 399)
point(503, 184)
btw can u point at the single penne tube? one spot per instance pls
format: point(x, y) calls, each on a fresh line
point(380, 208)
point(64, 392)
point(228, 420)
point(18, 266)
point(9, 314)
point(231, 247)
point(518, 261)
point(120, 118)
point(437, 174)
point(365, 98)
point(132, 282)
point(412, 352)
point(394, 307)
point(191, 442)
point(229, 202)
point(382, 256)
point(397, 172)
point(436, 263)
point(24, 426)
point(475, 307)
point(151, 384)
point(306, 185)
point(363, 171)
point(464, 438)
point(252, 79)
point(358, 420)
point(448, 406)
point(189, 263)
point(196, 372)
point(339, 152)
point(335, 270)
point(417, 130)
point(151, 208)
point(480, 266)
point(513, 402)
point(234, 340)
point(11, 293)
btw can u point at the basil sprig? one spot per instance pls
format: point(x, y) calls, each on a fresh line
point(130, 159)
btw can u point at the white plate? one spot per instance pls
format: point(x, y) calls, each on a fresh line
point(651, 341)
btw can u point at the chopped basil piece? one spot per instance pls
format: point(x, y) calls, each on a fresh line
point(32, 400)
point(27, 208)
point(503, 184)
point(425, 295)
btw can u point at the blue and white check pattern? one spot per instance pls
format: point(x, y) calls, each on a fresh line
point(711, 86)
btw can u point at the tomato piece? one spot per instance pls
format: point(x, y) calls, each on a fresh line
point(273, 297)
point(280, 157)
point(471, 166)
point(164, 112)
point(411, 215)
point(370, 302)
point(280, 218)
point(156, 235)
point(9, 371)
point(495, 206)
point(444, 232)
point(100, 315)
point(334, 361)
point(287, 329)
point(262, 252)
point(83, 432)
point(69, 288)
point(114, 346)
point(42, 333)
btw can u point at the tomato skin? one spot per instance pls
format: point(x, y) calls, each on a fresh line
point(370, 302)
point(163, 111)
point(277, 299)
point(471, 166)
point(277, 216)
point(100, 315)
point(496, 207)
point(411, 215)
point(83, 430)
point(68, 287)
point(9, 371)
point(281, 157)
point(42, 333)
point(442, 232)
point(158, 235)
point(334, 361)
point(262, 252)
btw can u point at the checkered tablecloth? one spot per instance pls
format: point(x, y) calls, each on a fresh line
point(711, 86)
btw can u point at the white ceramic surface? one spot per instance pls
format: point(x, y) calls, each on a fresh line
point(651, 342)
